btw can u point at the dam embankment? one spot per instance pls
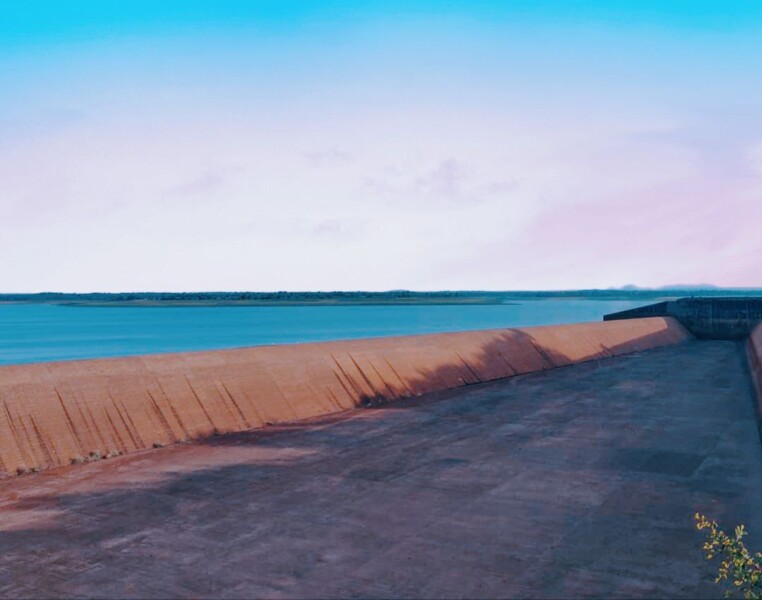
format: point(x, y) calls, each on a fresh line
point(56, 413)
point(579, 482)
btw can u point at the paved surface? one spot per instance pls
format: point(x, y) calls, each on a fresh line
point(577, 482)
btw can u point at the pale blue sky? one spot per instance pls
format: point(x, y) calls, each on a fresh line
point(187, 145)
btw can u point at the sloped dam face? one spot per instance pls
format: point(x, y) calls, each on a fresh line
point(475, 469)
point(55, 413)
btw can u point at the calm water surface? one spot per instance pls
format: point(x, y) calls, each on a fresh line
point(42, 332)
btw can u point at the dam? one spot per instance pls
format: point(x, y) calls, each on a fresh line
point(559, 461)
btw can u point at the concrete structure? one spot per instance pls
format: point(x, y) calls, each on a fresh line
point(707, 318)
point(718, 318)
point(570, 483)
point(55, 413)
point(542, 482)
point(754, 352)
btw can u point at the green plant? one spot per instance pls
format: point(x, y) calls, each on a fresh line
point(738, 565)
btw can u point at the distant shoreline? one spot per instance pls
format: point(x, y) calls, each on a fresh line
point(391, 298)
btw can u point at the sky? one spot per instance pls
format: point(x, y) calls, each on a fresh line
point(190, 145)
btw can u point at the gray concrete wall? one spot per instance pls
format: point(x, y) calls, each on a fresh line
point(707, 318)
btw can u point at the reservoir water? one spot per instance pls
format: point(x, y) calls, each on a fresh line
point(45, 332)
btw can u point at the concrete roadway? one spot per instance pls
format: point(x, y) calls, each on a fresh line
point(578, 482)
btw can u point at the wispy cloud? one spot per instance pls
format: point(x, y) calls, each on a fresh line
point(338, 230)
point(205, 184)
point(324, 158)
point(448, 182)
